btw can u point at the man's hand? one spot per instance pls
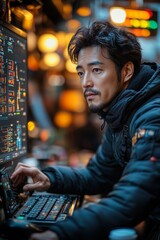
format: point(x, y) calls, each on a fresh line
point(47, 235)
point(40, 181)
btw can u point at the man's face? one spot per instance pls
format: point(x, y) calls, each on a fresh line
point(98, 77)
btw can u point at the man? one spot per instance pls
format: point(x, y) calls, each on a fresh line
point(126, 167)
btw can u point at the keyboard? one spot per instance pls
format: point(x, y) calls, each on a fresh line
point(47, 208)
point(42, 208)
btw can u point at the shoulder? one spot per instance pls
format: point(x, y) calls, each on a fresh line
point(146, 116)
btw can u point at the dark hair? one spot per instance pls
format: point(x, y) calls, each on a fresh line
point(121, 45)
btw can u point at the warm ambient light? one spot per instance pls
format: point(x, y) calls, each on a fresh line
point(63, 119)
point(47, 43)
point(24, 16)
point(140, 32)
point(31, 41)
point(67, 10)
point(44, 135)
point(70, 67)
point(140, 14)
point(118, 14)
point(31, 126)
point(73, 25)
point(84, 11)
point(33, 62)
point(28, 20)
point(51, 59)
point(72, 100)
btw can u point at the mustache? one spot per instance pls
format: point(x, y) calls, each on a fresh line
point(90, 90)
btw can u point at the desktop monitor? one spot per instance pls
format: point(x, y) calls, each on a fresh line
point(13, 93)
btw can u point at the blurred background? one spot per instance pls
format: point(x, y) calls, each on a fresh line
point(60, 128)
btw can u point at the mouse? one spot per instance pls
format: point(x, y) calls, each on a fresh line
point(15, 229)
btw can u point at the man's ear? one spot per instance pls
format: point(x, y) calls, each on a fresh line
point(127, 72)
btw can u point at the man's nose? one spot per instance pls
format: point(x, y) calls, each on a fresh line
point(87, 81)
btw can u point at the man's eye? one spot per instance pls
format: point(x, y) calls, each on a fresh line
point(80, 74)
point(97, 70)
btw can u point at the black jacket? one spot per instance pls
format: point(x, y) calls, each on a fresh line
point(126, 166)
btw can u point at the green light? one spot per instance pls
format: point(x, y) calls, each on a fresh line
point(20, 217)
point(153, 24)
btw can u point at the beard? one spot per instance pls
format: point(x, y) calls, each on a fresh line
point(96, 109)
point(92, 107)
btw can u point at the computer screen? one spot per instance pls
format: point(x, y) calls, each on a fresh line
point(13, 93)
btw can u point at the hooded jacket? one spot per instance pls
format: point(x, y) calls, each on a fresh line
point(126, 166)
